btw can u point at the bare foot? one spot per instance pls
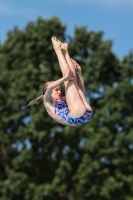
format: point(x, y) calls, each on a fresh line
point(56, 43)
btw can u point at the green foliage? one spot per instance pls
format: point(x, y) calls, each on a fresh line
point(41, 159)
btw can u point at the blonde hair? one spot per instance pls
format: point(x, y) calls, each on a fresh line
point(40, 98)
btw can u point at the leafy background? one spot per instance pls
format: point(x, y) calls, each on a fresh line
point(43, 160)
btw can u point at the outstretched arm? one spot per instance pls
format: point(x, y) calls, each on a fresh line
point(80, 79)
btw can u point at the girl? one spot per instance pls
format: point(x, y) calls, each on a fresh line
point(73, 109)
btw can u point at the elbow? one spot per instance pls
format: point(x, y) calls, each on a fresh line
point(50, 88)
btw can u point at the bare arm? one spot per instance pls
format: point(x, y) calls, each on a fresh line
point(54, 84)
point(50, 88)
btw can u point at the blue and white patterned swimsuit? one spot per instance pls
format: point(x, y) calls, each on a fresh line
point(63, 117)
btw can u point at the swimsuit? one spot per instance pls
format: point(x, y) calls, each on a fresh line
point(62, 114)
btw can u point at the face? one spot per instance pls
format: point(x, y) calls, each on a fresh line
point(56, 94)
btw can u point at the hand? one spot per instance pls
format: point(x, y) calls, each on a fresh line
point(76, 65)
point(69, 75)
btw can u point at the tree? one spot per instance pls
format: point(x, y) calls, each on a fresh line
point(41, 159)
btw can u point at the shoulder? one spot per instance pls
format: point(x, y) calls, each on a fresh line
point(49, 105)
